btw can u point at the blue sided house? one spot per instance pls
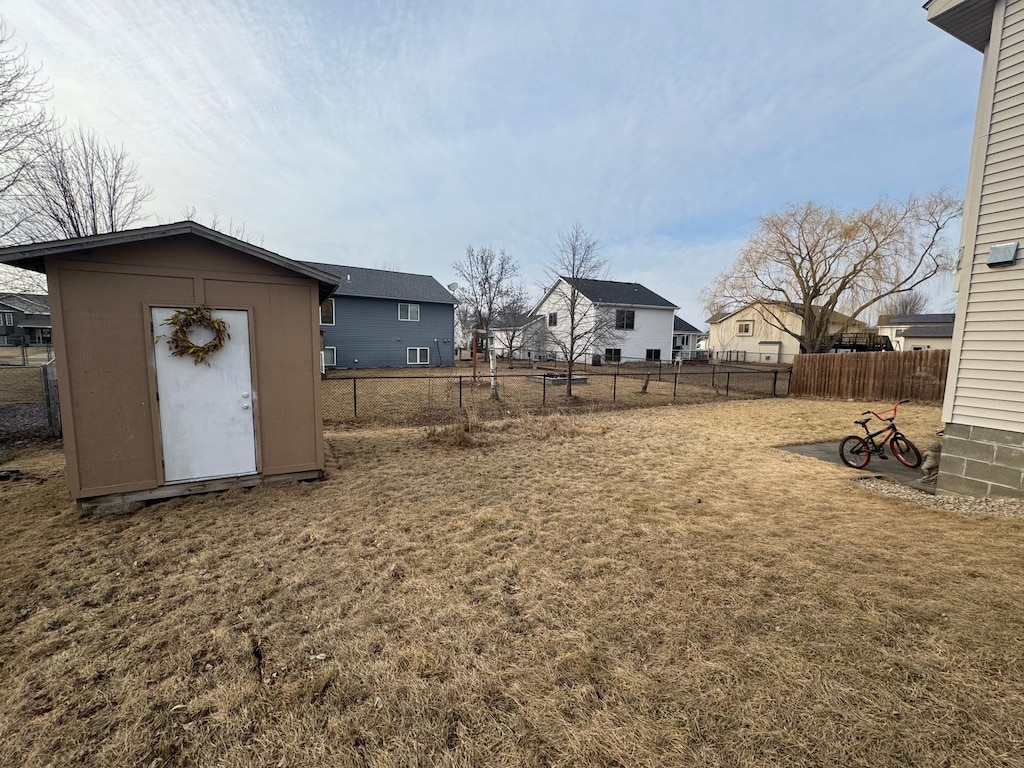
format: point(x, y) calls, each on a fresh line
point(382, 319)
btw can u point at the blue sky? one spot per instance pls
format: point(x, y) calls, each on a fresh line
point(397, 133)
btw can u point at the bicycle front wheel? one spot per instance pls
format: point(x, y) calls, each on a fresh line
point(906, 452)
point(854, 452)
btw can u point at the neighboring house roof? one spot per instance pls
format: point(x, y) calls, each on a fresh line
point(385, 284)
point(614, 292)
point(933, 319)
point(29, 303)
point(502, 321)
point(32, 255)
point(930, 331)
point(681, 326)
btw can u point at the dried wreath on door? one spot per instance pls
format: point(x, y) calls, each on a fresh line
point(182, 321)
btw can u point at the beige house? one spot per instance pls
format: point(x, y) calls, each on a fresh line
point(984, 403)
point(755, 333)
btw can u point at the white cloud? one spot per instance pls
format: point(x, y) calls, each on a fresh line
point(370, 132)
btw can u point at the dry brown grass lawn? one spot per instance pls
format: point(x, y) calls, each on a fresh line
point(20, 385)
point(643, 588)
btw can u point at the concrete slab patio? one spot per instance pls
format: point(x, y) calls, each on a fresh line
point(888, 467)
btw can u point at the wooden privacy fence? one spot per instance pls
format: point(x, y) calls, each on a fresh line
point(919, 375)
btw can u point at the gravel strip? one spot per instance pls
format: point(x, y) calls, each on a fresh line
point(964, 505)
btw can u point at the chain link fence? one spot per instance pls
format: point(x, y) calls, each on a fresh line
point(438, 399)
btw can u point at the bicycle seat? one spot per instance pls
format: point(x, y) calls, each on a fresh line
point(862, 422)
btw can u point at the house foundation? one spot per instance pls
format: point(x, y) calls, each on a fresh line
point(979, 461)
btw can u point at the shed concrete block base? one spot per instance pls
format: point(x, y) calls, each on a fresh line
point(977, 461)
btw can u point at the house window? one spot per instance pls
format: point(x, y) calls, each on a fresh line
point(612, 355)
point(409, 312)
point(624, 319)
point(684, 341)
point(8, 318)
point(330, 357)
point(653, 354)
point(552, 319)
point(418, 355)
point(745, 328)
point(327, 312)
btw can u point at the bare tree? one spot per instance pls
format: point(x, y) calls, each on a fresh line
point(908, 303)
point(80, 186)
point(22, 121)
point(816, 262)
point(16, 280)
point(487, 283)
point(237, 231)
point(519, 327)
point(582, 326)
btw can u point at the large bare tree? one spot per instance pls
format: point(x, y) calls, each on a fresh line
point(23, 120)
point(817, 261)
point(519, 327)
point(910, 303)
point(487, 282)
point(582, 326)
point(79, 186)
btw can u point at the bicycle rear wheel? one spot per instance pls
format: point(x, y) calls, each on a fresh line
point(906, 452)
point(854, 452)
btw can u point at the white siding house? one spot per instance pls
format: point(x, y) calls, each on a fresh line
point(984, 402)
point(633, 323)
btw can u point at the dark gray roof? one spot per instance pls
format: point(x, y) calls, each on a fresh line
point(385, 284)
point(29, 303)
point(32, 255)
point(614, 292)
point(681, 326)
point(945, 318)
point(930, 331)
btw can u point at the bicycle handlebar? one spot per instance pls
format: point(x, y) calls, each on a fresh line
point(887, 418)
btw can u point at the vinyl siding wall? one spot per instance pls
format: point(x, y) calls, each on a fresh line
point(988, 381)
point(368, 334)
point(652, 329)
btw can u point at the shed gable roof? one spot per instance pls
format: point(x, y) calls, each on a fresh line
point(385, 284)
point(942, 318)
point(32, 255)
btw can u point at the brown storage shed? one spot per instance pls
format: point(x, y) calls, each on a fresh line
point(142, 423)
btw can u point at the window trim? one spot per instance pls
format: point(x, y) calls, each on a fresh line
point(741, 324)
point(651, 358)
point(628, 322)
point(9, 319)
point(418, 350)
point(552, 319)
point(334, 351)
point(409, 312)
point(333, 317)
point(613, 354)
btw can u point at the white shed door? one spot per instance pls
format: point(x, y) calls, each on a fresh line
point(206, 411)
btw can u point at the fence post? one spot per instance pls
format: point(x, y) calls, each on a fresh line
point(460, 393)
point(544, 389)
point(615, 382)
point(775, 381)
point(789, 381)
point(659, 370)
point(675, 384)
point(714, 367)
point(728, 374)
point(355, 400)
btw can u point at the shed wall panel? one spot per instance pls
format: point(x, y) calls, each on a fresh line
point(106, 334)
